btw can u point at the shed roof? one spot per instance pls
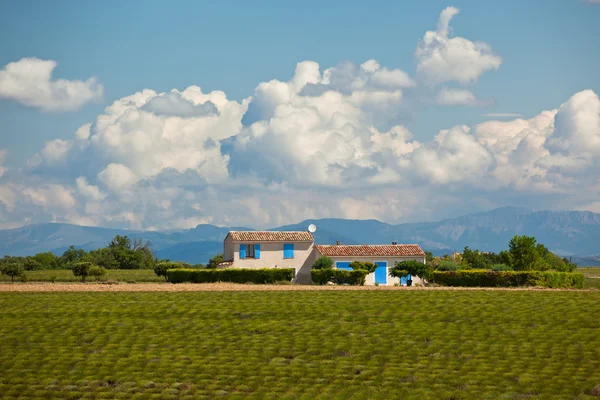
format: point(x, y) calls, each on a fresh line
point(371, 250)
point(271, 236)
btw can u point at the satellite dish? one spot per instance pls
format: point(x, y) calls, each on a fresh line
point(312, 228)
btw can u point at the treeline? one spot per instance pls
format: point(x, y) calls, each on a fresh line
point(523, 254)
point(121, 253)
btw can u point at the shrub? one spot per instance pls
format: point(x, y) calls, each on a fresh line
point(161, 268)
point(81, 269)
point(236, 275)
point(97, 272)
point(215, 261)
point(14, 269)
point(366, 266)
point(501, 267)
point(339, 276)
point(323, 262)
point(447, 265)
point(412, 267)
point(483, 278)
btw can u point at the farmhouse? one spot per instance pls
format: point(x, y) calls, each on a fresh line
point(296, 249)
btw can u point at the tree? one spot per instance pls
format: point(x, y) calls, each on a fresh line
point(97, 272)
point(72, 255)
point(81, 269)
point(47, 260)
point(161, 268)
point(120, 242)
point(413, 268)
point(365, 266)
point(524, 253)
point(429, 257)
point(215, 261)
point(103, 258)
point(475, 259)
point(323, 262)
point(13, 269)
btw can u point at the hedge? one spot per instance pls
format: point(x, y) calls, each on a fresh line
point(339, 276)
point(486, 278)
point(236, 275)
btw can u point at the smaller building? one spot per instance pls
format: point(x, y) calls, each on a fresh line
point(270, 249)
point(383, 255)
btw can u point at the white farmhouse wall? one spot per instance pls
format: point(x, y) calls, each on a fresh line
point(271, 256)
point(228, 248)
point(391, 261)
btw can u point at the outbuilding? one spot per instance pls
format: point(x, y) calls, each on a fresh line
point(383, 255)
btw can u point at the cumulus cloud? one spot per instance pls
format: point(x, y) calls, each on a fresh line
point(457, 97)
point(441, 58)
point(29, 81)
point(324, 143)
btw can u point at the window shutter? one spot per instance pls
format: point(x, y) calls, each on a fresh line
point(242, 251)
point(288, 250)
point(257, 250)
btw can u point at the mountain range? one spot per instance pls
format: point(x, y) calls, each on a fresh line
point(567, 233)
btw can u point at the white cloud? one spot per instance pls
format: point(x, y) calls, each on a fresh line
point(117, 177)
point(502, 115)
point(457, 97)
point(325, 143)
point(29, 81)
point(441, 58)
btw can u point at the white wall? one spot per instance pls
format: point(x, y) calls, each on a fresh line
point(271, 255)
point(370, 279)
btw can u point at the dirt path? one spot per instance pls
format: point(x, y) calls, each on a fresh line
point(215, 287)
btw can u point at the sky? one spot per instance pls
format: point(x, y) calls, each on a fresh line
point(148, 115)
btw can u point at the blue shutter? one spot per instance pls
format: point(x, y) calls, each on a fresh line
point(242, 251)
point(288, 250)
point(257, 250)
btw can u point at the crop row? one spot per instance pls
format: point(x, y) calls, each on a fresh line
point(350, 344)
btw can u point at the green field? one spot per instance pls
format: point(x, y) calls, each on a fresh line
point(309, 344)
point(65, 275)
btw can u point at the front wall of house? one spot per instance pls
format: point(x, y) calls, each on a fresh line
point(271, 255)
point(228, 248)
point(370, 279)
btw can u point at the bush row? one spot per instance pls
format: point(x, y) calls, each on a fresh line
point(485, 278)
point(339, 276)
point(236, 275)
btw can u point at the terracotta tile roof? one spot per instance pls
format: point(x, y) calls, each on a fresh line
point(371, 250)
point(271, 236)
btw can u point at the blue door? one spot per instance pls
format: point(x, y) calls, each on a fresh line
point(404, 279)
point(381, 273)
point(343, 265)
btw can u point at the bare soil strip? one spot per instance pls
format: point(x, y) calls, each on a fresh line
point(217, 287)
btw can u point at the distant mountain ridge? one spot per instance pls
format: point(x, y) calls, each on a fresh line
point(564, 232)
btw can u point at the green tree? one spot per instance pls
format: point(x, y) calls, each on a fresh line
point(47, 260)
point(161, 268)
point(412, 267)
point(524, 253)
point(72, 255)
point(475, 259)
point(103, 258)
point(365, 266)
point(215, 261)
point(429, 257)
point(81, 269)
point(13, 269)
point(323, 262)
point(97, 272)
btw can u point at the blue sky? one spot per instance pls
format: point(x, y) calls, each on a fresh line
point(548, 51)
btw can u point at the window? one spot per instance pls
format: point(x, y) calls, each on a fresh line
point(288, 250)
point(249, 251)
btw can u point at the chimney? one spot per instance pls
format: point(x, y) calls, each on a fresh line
point(338, 242)
point(394, 243)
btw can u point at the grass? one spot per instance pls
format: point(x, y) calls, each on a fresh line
point(592, 277)
point(65, 275)
point(343, 345)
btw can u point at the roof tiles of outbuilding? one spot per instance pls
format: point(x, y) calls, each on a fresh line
point(371, 250)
